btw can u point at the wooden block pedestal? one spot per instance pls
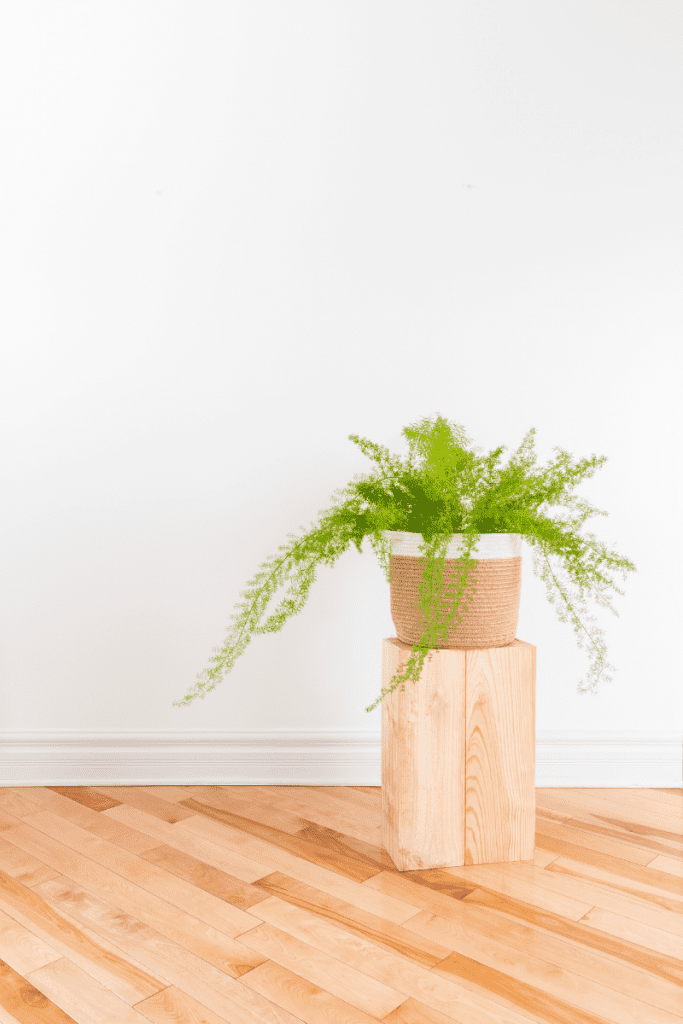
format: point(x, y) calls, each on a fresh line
point(459, 757)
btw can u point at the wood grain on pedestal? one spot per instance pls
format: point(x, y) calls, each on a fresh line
point(458, 757)
point(500, 763)
point(423, 760)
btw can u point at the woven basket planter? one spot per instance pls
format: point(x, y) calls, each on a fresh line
point(495, 569)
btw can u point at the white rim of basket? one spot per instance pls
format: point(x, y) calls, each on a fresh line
point(490, 545)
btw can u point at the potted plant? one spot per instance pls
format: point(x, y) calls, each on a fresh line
point(446, 493)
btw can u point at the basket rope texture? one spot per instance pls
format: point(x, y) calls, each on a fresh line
point(488, 615)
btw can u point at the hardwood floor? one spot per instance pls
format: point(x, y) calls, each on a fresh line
point(277, 904)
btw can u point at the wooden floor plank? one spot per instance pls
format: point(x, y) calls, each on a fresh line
point(21, 948)
point(309, 1002)
point(275, 859)
point(80, 996)
point(668, 800)
point(438, 900)
point(138, 940)
point(314, 842)
point(22, 866)
point(243, 802)
point(98, 958)
point(530, 997)
point(189, 842)
point(437, 889)
point(663, 965)
point(319, 968)
point(552, 836)
point(316, 804)
point(37, 794)
point(174, 891)
point(636, 908)
point(632, 834)
point(8, 1018)
point(373, 927)
point(637, 834)
point(70, 810)
point(215, 986)
point(635, 932)
point(501, 941)
point(354, 797)
point(173, 1006)
point(456, 998)
point(495, 876)
point(133, 796)
point(550, 815)
point(543, 857)
point(671, 865)
point(205, 876)
point(646, 814)
point(26, 1002)
point(539, 986)
point(602, 873)
point(94, 821)
point(174, 794)
point(92, 798)
point(215, 945)
point(278, 904)
point(17, 803)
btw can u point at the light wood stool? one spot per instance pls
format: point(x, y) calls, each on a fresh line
point(459, 756)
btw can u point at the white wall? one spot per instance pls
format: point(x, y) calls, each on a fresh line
point(235, 233)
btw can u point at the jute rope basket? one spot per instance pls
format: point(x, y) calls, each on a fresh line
point(488, 617)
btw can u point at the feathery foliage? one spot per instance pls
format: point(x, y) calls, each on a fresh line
point(442, 488)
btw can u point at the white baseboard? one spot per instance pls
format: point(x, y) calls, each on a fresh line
point(309, 758)
point(594, 759)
